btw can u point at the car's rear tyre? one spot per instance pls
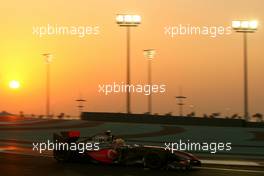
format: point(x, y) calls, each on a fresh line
point(190, 167)
point(62, 156)
point(152, 161)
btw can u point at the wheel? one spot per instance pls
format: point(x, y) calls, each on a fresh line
point(190, 167)
point(152, 161)
point(62, 156)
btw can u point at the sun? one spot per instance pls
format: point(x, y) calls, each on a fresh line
point(14, 84)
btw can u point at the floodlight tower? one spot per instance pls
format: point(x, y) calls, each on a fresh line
point(245, 27)
point(80, 105)
point(125, 20)
point(149, 54)
point(180, 103)
point(48, 59)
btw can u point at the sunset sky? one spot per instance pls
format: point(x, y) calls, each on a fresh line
point(209, 70)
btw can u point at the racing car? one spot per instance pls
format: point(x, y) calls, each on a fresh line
point(107, 149)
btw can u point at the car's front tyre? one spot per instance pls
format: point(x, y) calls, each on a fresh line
point(152, 161)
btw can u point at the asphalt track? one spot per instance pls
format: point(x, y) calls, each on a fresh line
point(17, 164)
point(18, 158)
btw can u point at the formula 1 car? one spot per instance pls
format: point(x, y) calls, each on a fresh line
point(107, 149)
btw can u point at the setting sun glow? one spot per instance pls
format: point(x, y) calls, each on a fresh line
point(14, 84)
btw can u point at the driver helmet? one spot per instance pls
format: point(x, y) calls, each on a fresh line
point(108, 133)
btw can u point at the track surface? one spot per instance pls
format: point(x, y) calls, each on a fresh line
point(16, 164)
point(18, 158)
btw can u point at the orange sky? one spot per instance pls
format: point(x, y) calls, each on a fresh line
point(209, 70)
